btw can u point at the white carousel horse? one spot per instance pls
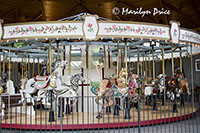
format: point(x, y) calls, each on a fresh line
point(59, 84)
point(44, 83)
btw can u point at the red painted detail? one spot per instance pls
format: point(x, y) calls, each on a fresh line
point(97, 125)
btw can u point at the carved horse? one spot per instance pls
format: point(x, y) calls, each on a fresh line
point(108, 88)
point(176, 85)
point(54, 82)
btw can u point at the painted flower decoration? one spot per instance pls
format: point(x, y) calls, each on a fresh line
point(137, 30)
point(43, 29)
point(90, 28)
point(175, 32)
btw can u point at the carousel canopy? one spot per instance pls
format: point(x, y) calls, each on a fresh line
point(184, 11)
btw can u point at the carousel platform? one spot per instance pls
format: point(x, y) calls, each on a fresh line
point(145, 116)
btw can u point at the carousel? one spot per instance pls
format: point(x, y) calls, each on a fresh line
point(88, 72)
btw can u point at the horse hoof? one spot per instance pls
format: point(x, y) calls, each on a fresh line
point(99, 116)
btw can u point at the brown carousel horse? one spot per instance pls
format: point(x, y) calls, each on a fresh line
point(108, 88)
point(177, 84)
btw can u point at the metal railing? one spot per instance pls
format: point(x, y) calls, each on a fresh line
point(146, 114)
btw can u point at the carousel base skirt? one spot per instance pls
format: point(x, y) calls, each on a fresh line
point(88, 120)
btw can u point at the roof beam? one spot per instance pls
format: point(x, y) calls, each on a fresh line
point(179, 12)
point(40, 15)
point(71, 10)
point(165, 16)
point(129, 5)
point(42, 8)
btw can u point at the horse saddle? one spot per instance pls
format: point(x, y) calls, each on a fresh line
point(41, 81)
point(40, 78)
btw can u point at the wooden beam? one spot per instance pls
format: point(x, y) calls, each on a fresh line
point(16, 7)
point(42, 9)
point(70, 11)
point(165, 16)
point(130, 5)
point(118, 18)
point(194, 7)
point(179, 12)
point(17, 14)
point(86, 9)
point(8, 12)
point(40, 15)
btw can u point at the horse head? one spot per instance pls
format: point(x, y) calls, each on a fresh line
point(60, 64)
point(80, 77)
point(23, 83)
point(122, 73)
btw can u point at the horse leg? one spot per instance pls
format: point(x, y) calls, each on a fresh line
point(101, 112)
point(187, 88)
point(22, 96)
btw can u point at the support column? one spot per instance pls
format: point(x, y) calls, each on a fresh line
point(22, 65)
point(192, 76)
point(9, 77)
point(127, 110)
point(172, 59)
point(138, 61)
point(163, 72)
point(26, 68)
point(143, 66)
point(0, 65)
point(153, 63)
point(125, 60)
point(181, 67)
point(146, 67)
point(29, 70)
point(4, 63)
point(117, 58)
point(38, 66)
point(33, 68)
point(149, 66)
point(58, 57)
point(50, 57)
point(105, 63)
point(70, 59)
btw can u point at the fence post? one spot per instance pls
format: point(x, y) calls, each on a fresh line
point(139, 122)
point(61, 116)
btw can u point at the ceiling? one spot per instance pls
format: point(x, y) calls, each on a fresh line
point(187, 12)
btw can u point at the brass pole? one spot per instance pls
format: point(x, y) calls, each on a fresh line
point(29, 71)
point(38, 66)
point(181, 67)
point(26, 69)
point(0, 64)
point(143, 66)
point(4, 63)
point(192, 75)
point(153, 64)
point(172, 59)
point(9, 85)
point(146, 67)
point(89, 66)
point(149, 66)
point(22, 65)
point(126, 67)
point(50, 56)
point(70, 59)
point(163, 70)
point(138, 61)
point(58, 51)
point(33, 68)
point(117, 58)
point(105, 63)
